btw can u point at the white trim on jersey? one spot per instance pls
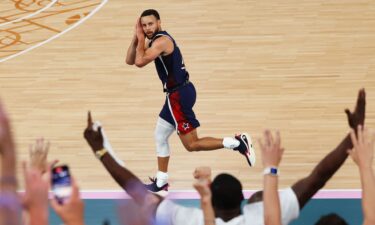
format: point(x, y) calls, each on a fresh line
point(158, 35)
point(161, 59)
point(166, 71)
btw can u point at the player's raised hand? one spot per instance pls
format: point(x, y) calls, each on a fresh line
point(135, 38)
point(139, 30)
point(358, 116)
point(93, 137)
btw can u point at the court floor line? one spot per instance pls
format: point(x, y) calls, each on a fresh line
point(57, 35)
point(30, 15)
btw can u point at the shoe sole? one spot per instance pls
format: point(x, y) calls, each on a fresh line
point(250, 154)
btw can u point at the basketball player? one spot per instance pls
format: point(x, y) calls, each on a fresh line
point(177, 112)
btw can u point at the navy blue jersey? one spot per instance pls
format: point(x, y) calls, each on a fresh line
point(170, 68)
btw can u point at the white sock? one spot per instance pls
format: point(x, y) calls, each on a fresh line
point(230, 142)
point(162, 178)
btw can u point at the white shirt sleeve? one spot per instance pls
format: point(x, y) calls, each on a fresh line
point(170, 213)
point(289, 209)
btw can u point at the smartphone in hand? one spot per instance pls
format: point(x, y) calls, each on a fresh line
point(61, 183)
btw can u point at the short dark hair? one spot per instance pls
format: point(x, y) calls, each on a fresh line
point(331, 219)
point(150, 12)
point(226, 192)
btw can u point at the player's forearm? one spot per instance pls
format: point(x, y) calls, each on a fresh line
point(130, 56)
point(140, 52)
point(368, 193)
point(126, 179)
point(272, 211)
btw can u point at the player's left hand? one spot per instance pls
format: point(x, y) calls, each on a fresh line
point(93, 137)
point(140, 33)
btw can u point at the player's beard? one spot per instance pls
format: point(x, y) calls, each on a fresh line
point(150, 36)
point(153, 34)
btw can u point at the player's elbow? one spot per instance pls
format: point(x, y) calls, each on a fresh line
point(139, 64)
point(129, 62)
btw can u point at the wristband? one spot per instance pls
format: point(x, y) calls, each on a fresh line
point(273, 171)
point(10, 201)
point(100, 153)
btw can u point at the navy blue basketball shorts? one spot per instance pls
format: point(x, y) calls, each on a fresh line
point(178, 109)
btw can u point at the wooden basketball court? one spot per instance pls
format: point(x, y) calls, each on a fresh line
point(291, 65)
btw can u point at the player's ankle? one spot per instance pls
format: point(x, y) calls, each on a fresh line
point(161, 178)
point(230, 142)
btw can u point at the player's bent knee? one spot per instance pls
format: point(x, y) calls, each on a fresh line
point(162, 133)
point(191, 147)
point(162, 151)
point(162, 145)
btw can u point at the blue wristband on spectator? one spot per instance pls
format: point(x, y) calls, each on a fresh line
point(271, 171)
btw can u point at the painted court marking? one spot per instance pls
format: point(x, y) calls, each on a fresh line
point(29, 15)
point(26, 34)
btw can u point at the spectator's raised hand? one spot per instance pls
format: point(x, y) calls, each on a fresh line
point(10, 206)
point(72, 211)
point(93, 137)
point(6, 139)
point(271, 149)
point(38, 155)
point(35, 199)
point(8, 181)
point(203, 188)
point(203, 172)
point(202, 185)
point(362, 154)
point(363, 147)
point(358, 116)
